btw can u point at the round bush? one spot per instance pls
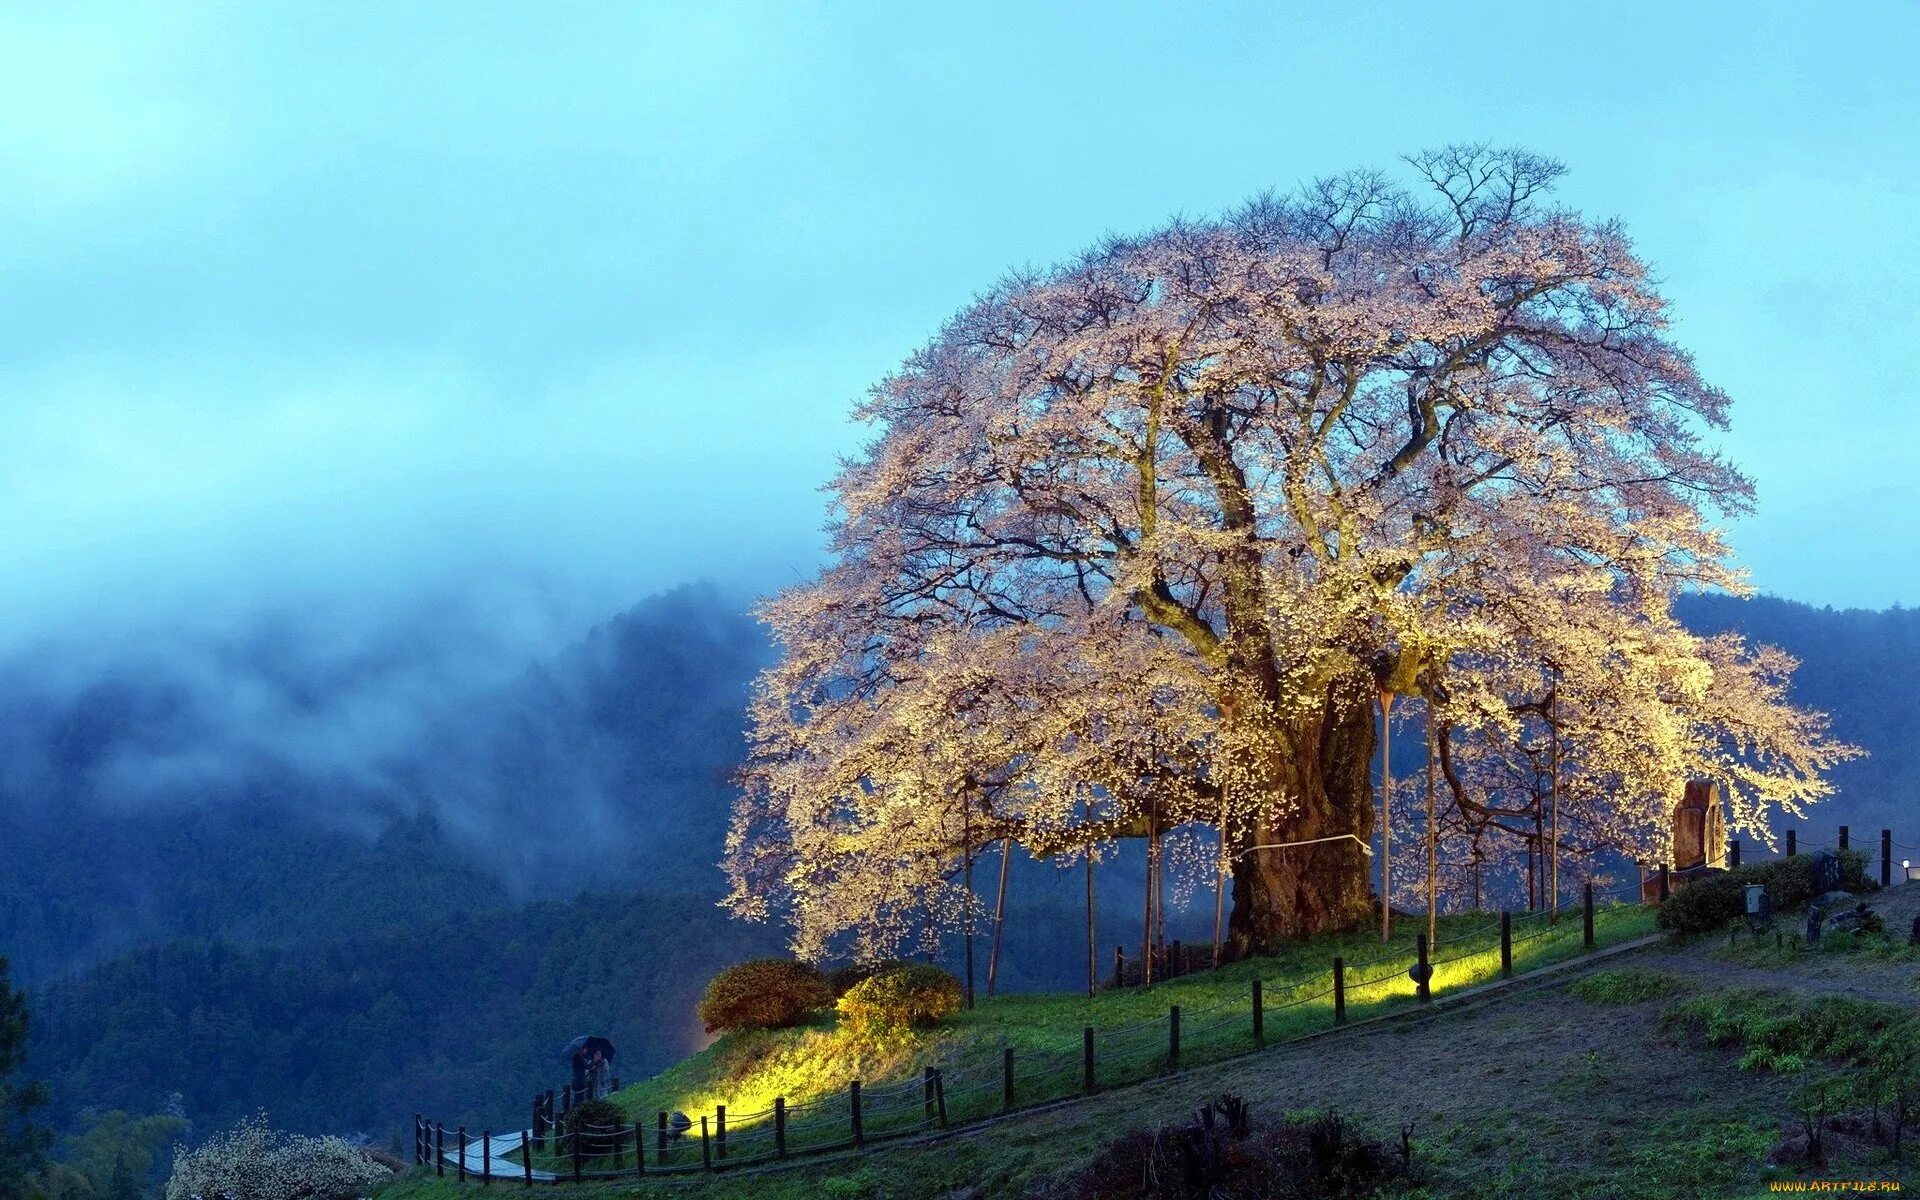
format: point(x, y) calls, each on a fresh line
point(763, 993)
point(842, 980)
point(898, 999)
point(594, 1123)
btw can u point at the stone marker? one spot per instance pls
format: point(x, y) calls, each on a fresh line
point(1825, 866)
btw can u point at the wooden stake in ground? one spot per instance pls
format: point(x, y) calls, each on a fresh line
point(1433, 845)
point(1386, 815)
point(999, 914)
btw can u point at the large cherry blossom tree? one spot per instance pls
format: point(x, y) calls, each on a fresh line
point(1144, 539)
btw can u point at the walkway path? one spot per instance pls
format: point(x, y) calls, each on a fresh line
point(502, 1145)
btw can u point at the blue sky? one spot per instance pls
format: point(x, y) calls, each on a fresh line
point(360, 300)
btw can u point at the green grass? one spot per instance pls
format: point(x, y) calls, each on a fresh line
point(1628, 985)
point(812, 1066)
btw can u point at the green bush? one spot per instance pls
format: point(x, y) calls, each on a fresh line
point(844, 979)
point(593, 1123)
point(763, 993)
point(899, 999)
point(1708, 904)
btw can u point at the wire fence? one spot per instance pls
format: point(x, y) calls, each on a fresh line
point(985, 1082)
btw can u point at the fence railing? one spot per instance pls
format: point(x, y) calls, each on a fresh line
point(988, 1082)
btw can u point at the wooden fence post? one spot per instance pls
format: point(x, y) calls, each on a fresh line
point(1506, 944)
point(1845, 839)
point(1733, 853)
point(1422, 986)
point(1586, 914)
point(486, 1157)
point(639, 1148)
point(1006, 1078)
point(663, 1138)
point(1173, 1038)
point(720, 1129)
point(1886, 858)
point(461, 1171)
point(1086, 1060)
point(1666, 884)
point(1339, 991)
point(526, 1157)
point(926, 1094)
point(859, 1135)
point(439, 1149)
point(1259, 1015)
point(1793, 842)
point(940, 1096)
point(419, 1155)
point(780, 1126)
point(574, 1136)
point(706, 1146)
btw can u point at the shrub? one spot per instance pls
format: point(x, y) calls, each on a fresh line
point(1709, 903)
point(594, 1123)
point(763, 993)
point(844, 979)
point(253, 1162)
point(898, 999)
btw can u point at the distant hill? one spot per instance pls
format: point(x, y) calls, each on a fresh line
point(344, 939)
point(1853, 666)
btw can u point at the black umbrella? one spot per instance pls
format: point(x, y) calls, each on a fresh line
point(585, 1045)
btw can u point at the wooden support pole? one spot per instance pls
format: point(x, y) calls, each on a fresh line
point(1423, 969)
point(1666, 883)
point(706, 1146)
point(1886, 858)
point(486, 1157)
point(1845, 838)
point(1733, 852)
point(639, 1148)
point(1506, 944)
point(439, 1149)
point(663, 1137)
point(1586, 914)
point(526, 1157)
point(1339, 991)
point(1793, 842)
point(780, 1126)
point(940, 1096)
point(853, 1096)
point(720, 1129)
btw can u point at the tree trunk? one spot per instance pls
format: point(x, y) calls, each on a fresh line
point(1326, 782)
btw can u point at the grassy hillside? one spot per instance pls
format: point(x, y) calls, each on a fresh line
point(812, 1066)
point(1680, 1070)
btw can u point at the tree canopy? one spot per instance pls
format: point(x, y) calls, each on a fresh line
point(1144, 539)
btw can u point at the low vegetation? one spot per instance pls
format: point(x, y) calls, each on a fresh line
point(1628, 985)
point(895, 1001)
point(763, 993)
point(1707, 904)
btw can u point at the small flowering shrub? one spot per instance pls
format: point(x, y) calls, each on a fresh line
point(763, 993)
point(253, 1162)
point(896, 1000)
